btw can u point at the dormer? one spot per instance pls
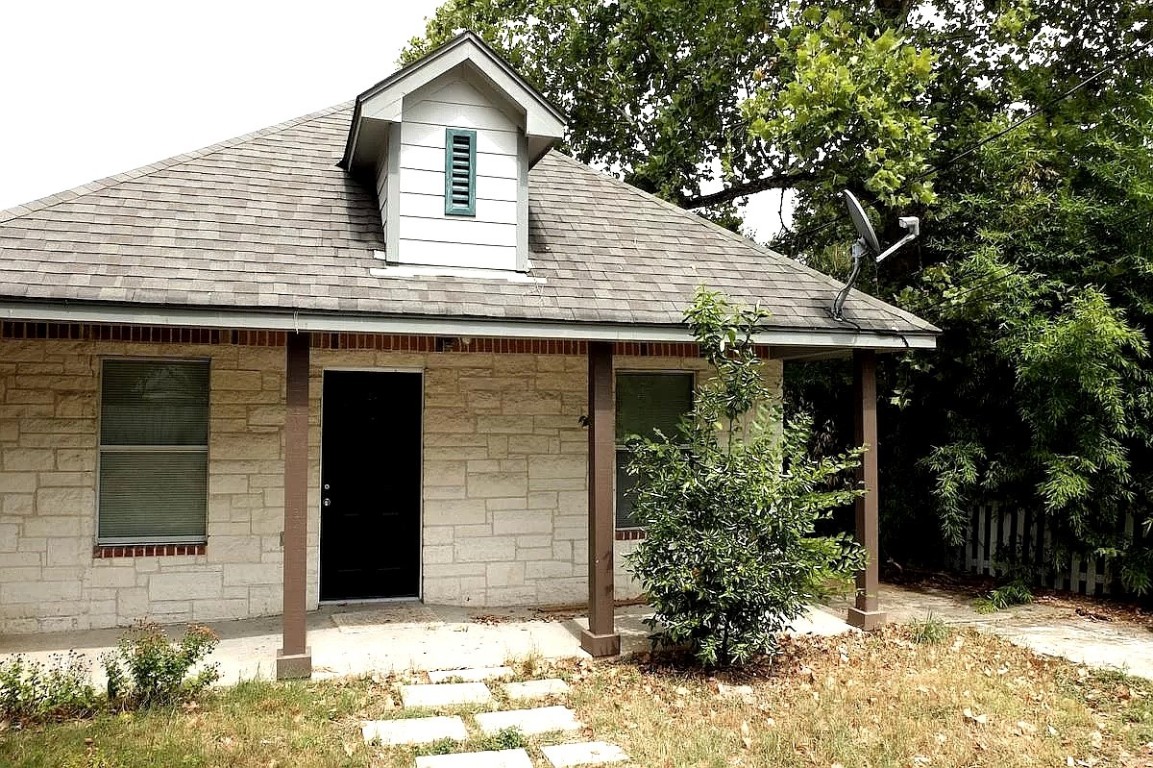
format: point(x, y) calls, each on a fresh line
point(448, 142)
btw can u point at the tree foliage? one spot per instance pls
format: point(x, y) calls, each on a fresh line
point(1040, 393)
point(730, 506)
point(1034, 258)
point(681, 95)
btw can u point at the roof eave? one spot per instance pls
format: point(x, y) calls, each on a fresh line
point(342, 322)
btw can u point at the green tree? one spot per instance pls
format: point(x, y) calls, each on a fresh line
point(730, 506)
point(677, 95)
point(1040, 392)
point(1034, 258)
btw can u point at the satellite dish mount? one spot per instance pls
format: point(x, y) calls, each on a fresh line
point(866, 244)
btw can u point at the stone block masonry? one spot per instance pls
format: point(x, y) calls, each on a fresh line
point(51, 575)
point(504, 478)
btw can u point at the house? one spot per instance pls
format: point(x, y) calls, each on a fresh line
point(377, 352)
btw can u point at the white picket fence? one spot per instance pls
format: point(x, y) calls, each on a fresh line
point(995, 531)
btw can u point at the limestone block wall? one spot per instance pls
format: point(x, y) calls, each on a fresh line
point(49, 577)
point(504, 502)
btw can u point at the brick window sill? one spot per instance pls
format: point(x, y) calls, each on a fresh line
point(106, 551)
point(630, 534)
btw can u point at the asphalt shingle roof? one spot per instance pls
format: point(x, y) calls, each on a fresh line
point(268, 221)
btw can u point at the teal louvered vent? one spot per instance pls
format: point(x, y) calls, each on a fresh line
point(460, 172)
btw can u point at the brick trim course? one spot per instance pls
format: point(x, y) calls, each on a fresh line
point(106, 551)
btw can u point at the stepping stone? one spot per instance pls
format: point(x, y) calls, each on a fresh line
point(585, 753)
point(470, 675)
point(536, 689)
point(414, 730)
point(445, 694)
point(505, 758)
point(530, 722)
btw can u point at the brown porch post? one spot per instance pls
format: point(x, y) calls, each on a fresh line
point(601, 638)
point(866, 614)
point(295, 657)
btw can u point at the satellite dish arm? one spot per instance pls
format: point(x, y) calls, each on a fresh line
point(910, 223)
point(860, 248)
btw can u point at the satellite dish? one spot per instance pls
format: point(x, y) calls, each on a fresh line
point(861, 222)
point(867, 243)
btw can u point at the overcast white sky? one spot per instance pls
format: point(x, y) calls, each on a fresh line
point(90, 89)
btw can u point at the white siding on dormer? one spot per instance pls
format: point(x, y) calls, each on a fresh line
point(425, 234)
point(382, 196)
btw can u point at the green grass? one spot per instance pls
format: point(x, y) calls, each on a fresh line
point(881, 700)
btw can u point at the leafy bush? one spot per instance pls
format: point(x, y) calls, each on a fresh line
point(148, 669)
point(30, 690)
point(930, 630)
point(730, 505)
point(1013, 593)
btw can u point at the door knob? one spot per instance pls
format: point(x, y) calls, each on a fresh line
point(327, 502)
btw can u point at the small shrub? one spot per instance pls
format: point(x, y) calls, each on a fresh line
point(147, 669)
point(30, 690)
point(1013, 593)
point(730, 506)
point(509, 738)
point(930, 630)
point(984, 605)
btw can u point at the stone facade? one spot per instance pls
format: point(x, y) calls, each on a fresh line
point(49, 577)
point(504, 503)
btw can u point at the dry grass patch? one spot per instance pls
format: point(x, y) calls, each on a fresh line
point(882, 700)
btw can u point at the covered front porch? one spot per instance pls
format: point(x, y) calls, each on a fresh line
point(391, 637)
point(600, 634)
point(515, 477)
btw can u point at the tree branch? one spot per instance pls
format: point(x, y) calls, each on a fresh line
point(743, 189)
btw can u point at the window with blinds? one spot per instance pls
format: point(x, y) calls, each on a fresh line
point(459, 172)
point(153, 452)
point(645, 403)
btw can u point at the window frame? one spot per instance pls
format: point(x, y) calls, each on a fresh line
point(451, 208)
point(637, 531)
point(101, 449)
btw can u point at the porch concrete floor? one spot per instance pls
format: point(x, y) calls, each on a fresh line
point(389, 637)
point(1055, 630)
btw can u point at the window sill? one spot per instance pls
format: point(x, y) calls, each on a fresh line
point(106, 551)
point(630, 534)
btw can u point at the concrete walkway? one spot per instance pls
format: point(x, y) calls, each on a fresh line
point(1055, 630)
point(389, 637)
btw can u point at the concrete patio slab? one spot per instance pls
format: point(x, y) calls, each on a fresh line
point(536, 689)
point(584, 753)
point(444, 695)
point(530, 722)
point(373, 638)
point(505, 758)
point(414, 730)
point(481, 675)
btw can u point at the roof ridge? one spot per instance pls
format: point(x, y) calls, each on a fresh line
point(834, 283)
point(68, 195)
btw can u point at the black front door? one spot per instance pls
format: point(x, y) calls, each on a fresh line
point(370, 485)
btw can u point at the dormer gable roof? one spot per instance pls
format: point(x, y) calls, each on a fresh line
point(383, 103)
